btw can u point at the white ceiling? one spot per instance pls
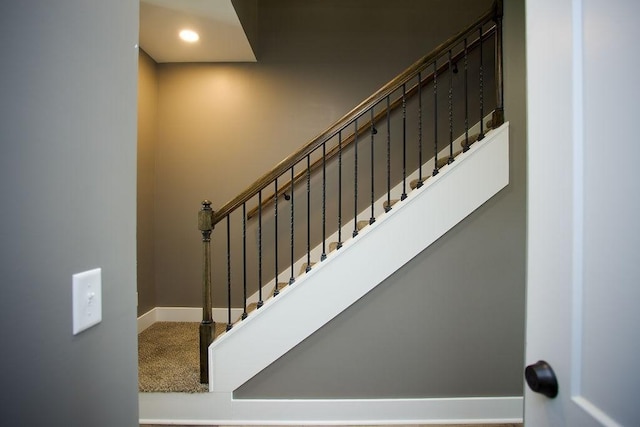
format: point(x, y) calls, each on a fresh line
point(222, 38)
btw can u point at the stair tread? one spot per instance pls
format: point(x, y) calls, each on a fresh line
point(281, 286)
point(414, 182)
point(303, 268)
point(388, 203)
point(251, 307)
point(362, 224)
point(472, 139)
point(442, 162)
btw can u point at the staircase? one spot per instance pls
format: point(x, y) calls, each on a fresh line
point(374, 231)
point(362, 263)
point(453, 177)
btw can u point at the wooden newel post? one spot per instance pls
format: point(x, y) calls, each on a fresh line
point(207, 327)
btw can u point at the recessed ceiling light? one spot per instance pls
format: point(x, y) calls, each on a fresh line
point(189, 36)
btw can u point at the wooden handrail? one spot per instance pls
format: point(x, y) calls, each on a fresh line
point(348, 118)
point(286, 187)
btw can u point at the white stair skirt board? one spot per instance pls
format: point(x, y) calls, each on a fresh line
point(219, 409)
point(365, 261)
point(426, 214)
point(183, 314)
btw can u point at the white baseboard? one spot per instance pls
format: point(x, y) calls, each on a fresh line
point(184, 314)
point(222, 409)
point(146, 320)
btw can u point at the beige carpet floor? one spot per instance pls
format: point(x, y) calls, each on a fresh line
point(168, 358)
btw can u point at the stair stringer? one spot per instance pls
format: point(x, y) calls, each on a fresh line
point(361, 264)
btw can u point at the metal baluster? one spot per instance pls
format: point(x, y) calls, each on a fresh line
point(498, 115)
point(419, 184)
point(292, 278)
point(244, 259)
point(388, 206)
point(355, 181)
point(276, 291)
point(324, 201)
point(207, 326)
point(373, 133)
point(260, 302)
point(308, 214)
point(339, 189)
point(404, 142)
point(229, 324)
point(481, 136)
point(466, 99)
point(435, 118)
point(451, 159)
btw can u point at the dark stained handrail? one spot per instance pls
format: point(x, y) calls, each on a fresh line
point(381, 115)
point(403, 78)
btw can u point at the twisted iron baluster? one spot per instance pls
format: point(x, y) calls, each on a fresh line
point(419, 184)
point(355, 181)
point(435, 118)
point(498, 114)
point(244, 259)
point(387, 208)
point(260, 302)
point(481, 136)
point(324, 201)
point(308, 214)
point(404, 142)
point(466, 99)
point(276, 291)
point(229, 324)
point(292, 278)
point(450, 160)
point(339, 189)
point(373, 133)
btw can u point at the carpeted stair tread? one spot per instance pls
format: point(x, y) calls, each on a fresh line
point(472, 139)
point(281, 286)
point(414, 182)
point(362, 224)
point(489, 125)
point(389, 203)
point(333, 246)
point(303, 268)
point(251, 307)
point(442, 162)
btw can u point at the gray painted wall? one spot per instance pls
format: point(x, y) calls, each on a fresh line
point(451, 321)
point(147, 140)
point(68, 185)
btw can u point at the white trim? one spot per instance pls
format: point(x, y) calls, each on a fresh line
point(577, 258)
point(146, 320)
point(184, 314)
point(221, 408)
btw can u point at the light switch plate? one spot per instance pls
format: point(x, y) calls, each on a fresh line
point(87, 299)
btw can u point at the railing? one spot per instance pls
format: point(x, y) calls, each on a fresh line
point(398, 109)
